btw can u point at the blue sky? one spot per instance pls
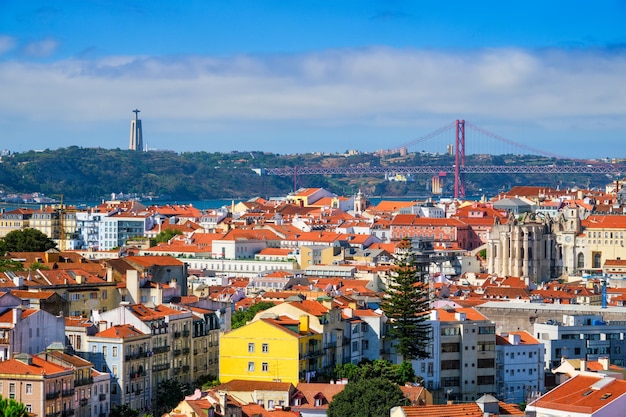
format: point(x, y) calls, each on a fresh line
point(307, 76)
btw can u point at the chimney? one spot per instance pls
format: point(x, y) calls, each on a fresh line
point(459, 316)
point(583, 365)
point(514, 339)
point(102, 325)
point(304, 324)
point(605, 362)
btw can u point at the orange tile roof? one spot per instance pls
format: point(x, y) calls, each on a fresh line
point(444, 410)
point(39, 367)
point(470, 314)
point(148, 261)
point(605, 222)
point(120, 332)
point(241, 385)
point(578, 395)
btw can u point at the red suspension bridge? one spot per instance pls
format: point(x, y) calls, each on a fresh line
point(460, 169)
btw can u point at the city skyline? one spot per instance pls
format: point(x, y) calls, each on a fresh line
point(311, 76)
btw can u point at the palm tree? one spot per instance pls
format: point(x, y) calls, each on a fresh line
point(11, 408)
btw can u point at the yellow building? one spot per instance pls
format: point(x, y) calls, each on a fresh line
point(273, 348)
point(319, 255)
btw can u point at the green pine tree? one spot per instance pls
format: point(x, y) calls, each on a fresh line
point(11, 408)
point(407, 304)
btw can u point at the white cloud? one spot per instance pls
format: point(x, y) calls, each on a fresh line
point(41, 49)
point(6, 44)
point(367, 87)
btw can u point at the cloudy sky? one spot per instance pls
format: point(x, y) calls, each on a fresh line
point(302, 76)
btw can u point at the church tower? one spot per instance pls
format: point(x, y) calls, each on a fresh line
point(136, 135)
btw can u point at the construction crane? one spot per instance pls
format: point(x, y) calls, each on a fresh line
point(63, 233)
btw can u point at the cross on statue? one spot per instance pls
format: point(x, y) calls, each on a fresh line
point(136, 111)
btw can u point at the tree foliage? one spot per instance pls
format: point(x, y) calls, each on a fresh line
point(169, 394)
point(123, 410)
point(407, 304)
point(367, 398)
point(166, 235)
point(10, 265)
point(94, 173)
point(240, 318)
point(379, 368)
point(27, 240)
point(12, 408)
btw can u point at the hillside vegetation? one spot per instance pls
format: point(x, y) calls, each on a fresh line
point(94, 173)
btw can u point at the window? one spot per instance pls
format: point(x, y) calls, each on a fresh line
point(29, 389)
point(265, 348)
point(486, 363)
point(450, 364)
point(94, 349)
point(486, 330)
point(12, 390)
point(104, 351)
point(270, 404)
point(114, 351)
point(250, 366)
point(485, 380)
point(29, 408)
point(450, 347)
point(486, 346)
point(265, 367)
point(450, 331)
point(251, 347)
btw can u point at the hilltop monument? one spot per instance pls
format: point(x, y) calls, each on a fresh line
point(136, 135)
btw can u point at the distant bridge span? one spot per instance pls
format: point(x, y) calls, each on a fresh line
point(468, 169)
point(459, 169)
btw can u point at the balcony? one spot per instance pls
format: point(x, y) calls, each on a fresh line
point(83, 402)
point(186, 333)
point(177, 352)
point(312, 354)
point(55, 414)
point(67, 413)
point(177, 335)
point(195, 351)
point(161, 349)
point(185, 368)
point(4, 340)
point(53, 395)
point(83, 381)
point(68, 392)
point(186, 351)
point(160, 367)
point(138, 391)
point(176, 371)
point(102, 397)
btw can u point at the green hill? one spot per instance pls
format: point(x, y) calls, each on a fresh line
point(94, 173)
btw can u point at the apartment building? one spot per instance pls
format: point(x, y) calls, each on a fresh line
point(91, 388)
point(462, 363)
point(582, 336)
point(123, 351)
point(273, 348)
point(45, 388)
point(520, 371)
point(28, 331)
point(325, 319)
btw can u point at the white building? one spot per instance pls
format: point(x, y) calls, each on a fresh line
point(520, 373)
point(584, 336)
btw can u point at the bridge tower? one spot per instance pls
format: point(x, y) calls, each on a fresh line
point(459, 160)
